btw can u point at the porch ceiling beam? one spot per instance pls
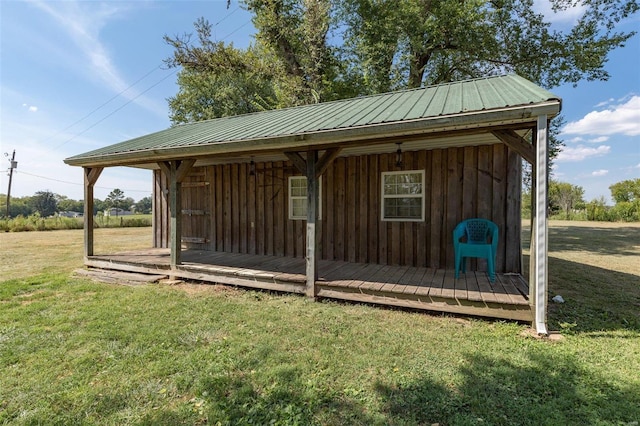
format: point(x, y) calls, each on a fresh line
point(298, 162)
point(92, 174)
point(326, 160)
point(165, 166)
point(321, 165)
point(517, 143)
point(183, 167)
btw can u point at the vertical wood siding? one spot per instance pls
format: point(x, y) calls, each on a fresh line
point(246, 213)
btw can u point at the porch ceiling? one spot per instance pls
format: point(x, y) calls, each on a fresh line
point(418, 118)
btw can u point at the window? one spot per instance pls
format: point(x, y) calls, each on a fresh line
point(403, 195)
point(298, 197)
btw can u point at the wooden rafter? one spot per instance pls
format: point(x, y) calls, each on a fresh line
point(298, 162)
point(517, 143)
point(322, 164)
point(326, 160)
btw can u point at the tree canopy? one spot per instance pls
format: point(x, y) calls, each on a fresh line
point(626, 191)
point(316, 50)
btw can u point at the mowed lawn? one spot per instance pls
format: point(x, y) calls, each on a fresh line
point(77, 352)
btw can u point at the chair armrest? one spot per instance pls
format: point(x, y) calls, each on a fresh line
point(494, 238)
point(459, 232)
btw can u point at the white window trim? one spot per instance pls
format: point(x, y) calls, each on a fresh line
point(383, 196)
point(290, 198)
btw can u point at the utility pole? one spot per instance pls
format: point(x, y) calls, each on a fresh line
point(14, 165)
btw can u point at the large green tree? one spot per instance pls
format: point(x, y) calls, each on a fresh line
point(314, 50)
point(115, 199)
point(45, 203)
point(626, 190)
point(565, 197)
point(407, 43)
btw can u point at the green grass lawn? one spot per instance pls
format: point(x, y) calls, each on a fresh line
point(77, 352)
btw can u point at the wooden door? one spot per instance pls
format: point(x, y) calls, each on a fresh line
point(196, 210)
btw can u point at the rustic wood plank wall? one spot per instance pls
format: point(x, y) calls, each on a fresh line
point(248, 213)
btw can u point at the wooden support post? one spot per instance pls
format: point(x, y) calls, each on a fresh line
point(175, 218)
point(541, 233)
point(91, 175)
point(177, 172)
point(313, 169)
point(312, 229)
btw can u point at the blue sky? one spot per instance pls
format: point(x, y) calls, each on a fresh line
point(79, 75)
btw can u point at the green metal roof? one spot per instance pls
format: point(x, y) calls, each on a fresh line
point(331, 122)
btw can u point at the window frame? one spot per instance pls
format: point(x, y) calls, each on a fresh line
point(384, 196)
point(290, 197)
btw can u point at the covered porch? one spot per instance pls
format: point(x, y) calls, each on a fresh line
point(348, 229)
point(404, 286)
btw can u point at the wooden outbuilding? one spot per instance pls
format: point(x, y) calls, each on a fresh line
point(353, 199)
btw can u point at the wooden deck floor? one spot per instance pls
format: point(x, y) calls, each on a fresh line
point(419, 288)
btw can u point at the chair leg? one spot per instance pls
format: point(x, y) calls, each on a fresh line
point(457, 265)
point(491, 267)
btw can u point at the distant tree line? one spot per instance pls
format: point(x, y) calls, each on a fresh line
point(566, 201)
point(46, 203)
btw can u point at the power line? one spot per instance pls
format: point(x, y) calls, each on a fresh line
point(226, 16)
point(79, 184)
point(116, 110)
point(100, 107)
point(236, 30)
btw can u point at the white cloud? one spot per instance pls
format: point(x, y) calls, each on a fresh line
point(30, 108)
point(569, 15)
point(581, 152)
point(83, 22)
point(622, 119)
point(599, 139)
point(577, 139)
point(601, 172)
point(604, 103)
point(83, 26)
point(638, 166)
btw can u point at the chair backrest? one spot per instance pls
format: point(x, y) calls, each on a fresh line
point(477, 230)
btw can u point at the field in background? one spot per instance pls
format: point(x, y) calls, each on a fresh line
point(73, 351)
point(25, 254)
point(57, 223)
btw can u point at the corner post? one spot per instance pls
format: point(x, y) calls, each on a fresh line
point(312, 230)
point(175, 209)
point(177, 171)
point(91, 175)
point(541, 232)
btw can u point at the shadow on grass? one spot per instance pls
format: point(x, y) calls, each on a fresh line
point(621, 241)
point(596, 299)
point(542, 391)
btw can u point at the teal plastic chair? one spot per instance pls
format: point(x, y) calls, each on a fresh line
point(476, 238)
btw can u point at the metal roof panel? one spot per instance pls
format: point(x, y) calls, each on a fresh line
point(337, 117)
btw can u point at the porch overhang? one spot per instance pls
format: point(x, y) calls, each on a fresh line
point(429, 129)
